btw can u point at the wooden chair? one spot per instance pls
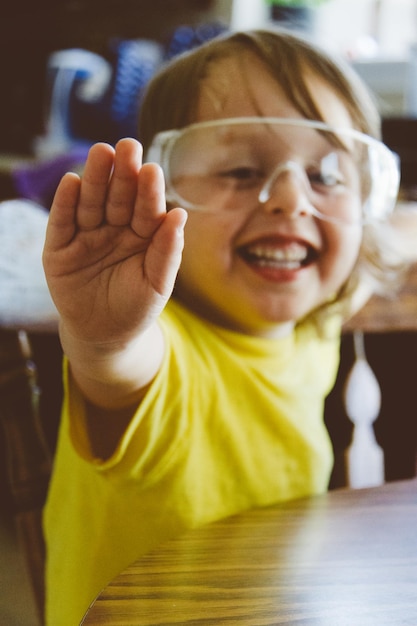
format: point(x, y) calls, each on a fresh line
point(29, 421)
point(389, 327)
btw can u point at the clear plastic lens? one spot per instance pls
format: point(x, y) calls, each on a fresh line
point(237, 163)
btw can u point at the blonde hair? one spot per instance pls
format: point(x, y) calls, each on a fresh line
point(171, 100)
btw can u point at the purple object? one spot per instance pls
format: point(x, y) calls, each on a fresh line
point(39, 181)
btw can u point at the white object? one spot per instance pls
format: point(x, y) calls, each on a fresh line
point(248, 14)
point(364, 457)
point(25, 302)
point(64, 67)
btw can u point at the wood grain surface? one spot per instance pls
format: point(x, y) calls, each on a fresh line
point(348, 558)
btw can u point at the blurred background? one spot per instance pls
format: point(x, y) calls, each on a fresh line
point(72, 72)
point(379, 35)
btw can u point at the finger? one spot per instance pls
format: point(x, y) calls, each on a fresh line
point(62, 217)
point(123, 185)
point(164, 258)
point(94, 186)
point(150, 205)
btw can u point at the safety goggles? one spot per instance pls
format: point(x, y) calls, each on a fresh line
point(238, 163)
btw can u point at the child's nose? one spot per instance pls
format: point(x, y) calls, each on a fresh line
point(286, 190)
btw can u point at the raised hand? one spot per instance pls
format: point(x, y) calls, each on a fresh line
point(112, 251)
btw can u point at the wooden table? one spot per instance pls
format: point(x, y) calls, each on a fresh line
point(348, 558)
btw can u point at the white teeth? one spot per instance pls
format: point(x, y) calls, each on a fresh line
point(290, 256)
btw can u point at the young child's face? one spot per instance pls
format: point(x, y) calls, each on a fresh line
point(261, 268)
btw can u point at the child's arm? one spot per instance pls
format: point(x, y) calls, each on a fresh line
point(111, 256)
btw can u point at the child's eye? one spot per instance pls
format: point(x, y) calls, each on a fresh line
point(326, 180)
point(243, 174)
point(330, 173)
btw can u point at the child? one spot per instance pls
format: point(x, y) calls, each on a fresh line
point(180, 411)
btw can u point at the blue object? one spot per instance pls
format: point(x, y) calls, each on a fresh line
point(189, 37)
point(137, 61)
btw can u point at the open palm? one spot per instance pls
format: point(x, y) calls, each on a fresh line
point(112, 251)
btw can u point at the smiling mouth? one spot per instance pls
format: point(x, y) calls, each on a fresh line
point(290, 256)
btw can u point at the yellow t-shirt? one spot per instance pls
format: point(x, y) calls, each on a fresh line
point(230, 422)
